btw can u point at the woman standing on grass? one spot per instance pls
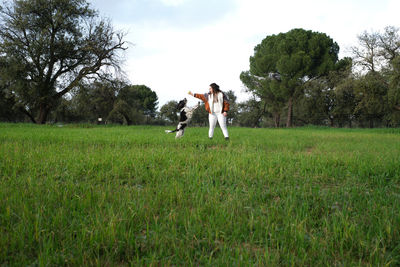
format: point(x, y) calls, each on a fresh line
point(217, 105)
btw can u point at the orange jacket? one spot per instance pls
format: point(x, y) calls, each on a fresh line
point(205, 97)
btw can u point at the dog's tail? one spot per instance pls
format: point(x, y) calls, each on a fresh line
point(169, 131)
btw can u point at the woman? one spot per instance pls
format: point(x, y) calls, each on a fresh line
point(217, 106)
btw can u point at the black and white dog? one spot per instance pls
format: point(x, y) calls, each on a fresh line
point(186, 114)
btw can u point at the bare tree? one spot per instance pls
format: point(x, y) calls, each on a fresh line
point(367, 54)
point(389, 42)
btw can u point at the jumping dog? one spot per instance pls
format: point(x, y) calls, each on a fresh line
point(186, 114)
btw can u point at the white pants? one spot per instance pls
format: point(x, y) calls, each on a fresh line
point(213, 118)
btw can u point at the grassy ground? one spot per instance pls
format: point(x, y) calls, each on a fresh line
point(78, 195)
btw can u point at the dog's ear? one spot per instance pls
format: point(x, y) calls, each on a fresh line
point(180, 105)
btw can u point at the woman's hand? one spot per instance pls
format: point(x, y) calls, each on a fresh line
point(225, 113)
point(190, 93)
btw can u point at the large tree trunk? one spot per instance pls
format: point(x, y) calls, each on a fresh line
point(43, 112)
point(127, 119)
point(290, 112)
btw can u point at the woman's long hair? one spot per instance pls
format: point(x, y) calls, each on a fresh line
point(215, 88)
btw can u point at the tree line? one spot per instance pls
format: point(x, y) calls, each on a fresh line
point(60, 62)
point(297, 78)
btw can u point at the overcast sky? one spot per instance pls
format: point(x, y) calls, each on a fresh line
point(181, 45)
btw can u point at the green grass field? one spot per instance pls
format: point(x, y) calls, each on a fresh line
point(80, 195)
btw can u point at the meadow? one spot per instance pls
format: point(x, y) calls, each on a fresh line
point(135, 196)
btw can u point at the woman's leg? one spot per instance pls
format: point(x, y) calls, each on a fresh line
point(212, 118)
point(222, 124)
